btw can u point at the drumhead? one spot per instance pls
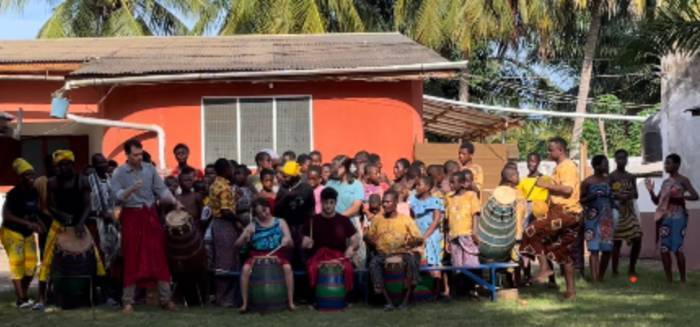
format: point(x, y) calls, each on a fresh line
point(177, 218)
point(504, 195)
point(67, 240)
point(394, 259)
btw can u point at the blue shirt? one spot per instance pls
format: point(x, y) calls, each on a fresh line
point(347, 194)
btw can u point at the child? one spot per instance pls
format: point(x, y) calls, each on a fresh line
point(192, 201)
point(316, 158)
point(172, 184)
point(314, 180)
point(599, 222)
point(403, 192)
point(428, 211)
point(462, 211)
point(466, 153)
point(326, 172)
point(267, 186)
point(265, 236)
point(671, 214)
point(400, 168)
point(437, 173)
point(628, 227)
point(372, 181)
point(304, 162)
point(393, 234)
point(420, 166)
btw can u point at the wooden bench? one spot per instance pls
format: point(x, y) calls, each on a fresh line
point(362, 275)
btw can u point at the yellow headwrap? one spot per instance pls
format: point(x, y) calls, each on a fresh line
point(21, 166)
point(291, 168)
point(60, 155)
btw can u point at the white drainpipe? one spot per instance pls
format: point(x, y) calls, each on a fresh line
point(120, 124)
point(77, 83)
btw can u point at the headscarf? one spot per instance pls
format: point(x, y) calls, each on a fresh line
point(61, 155)
point(291, 168)
point(21, 166)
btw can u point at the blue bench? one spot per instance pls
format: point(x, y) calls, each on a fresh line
point(362, 275)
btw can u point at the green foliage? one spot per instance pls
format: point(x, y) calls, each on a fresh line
point(533, 135)
point(677, 27)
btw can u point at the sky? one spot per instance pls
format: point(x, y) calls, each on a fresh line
point(25, 24)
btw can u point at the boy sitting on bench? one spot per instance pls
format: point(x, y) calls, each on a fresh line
point(393, 234)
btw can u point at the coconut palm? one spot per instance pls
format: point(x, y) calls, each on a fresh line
point(96, 18)
point(677, 27)
point(280, 17)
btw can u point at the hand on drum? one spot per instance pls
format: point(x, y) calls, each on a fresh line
point(80, 230)
point(307, 243)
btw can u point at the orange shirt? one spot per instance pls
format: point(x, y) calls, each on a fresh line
point(566, 173)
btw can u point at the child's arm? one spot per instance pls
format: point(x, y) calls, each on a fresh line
point(245, 236)
point(692, 193)
point(475, 228)
point(437, 216)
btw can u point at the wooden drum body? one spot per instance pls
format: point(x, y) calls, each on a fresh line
point(330, 286)
point(73, 269)
point(184, 245)
point(395, 278)
point(267, 288)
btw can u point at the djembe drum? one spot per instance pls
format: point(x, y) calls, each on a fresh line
point(184, 244)
point(395, 278)
point(424, 291)
point(330, 286)
point(267, 291)
point(73, 269)
point(497, 226)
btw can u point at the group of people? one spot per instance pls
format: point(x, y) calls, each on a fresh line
point(304, 212)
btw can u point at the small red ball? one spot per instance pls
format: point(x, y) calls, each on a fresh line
point(633, 279)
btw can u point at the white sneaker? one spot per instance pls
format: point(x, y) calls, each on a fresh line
point(26, 304)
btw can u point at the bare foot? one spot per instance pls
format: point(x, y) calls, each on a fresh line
point(569, 296)
point(128, 309)
point(292, 307)
point(170, 306)
point(542, 277)
point(243, 309)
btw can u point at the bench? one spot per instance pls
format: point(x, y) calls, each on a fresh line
point(362, 275)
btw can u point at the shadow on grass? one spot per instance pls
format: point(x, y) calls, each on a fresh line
point(651, 301)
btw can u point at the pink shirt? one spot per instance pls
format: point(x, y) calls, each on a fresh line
point(373, 189)
point(317, 199)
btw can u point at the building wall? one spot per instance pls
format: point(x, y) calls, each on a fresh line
point(382, 117)
point(680, 90)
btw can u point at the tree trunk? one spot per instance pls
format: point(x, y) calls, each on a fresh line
point(603, 136)
point(587, 68)
point(464, 85)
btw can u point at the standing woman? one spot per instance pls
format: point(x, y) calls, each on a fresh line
point(671, 214)
point(351, 192)
point(599, 223)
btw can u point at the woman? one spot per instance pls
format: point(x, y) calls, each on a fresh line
point(599, 225)
point(265, 236)
point(671, 215)
point(350, 195)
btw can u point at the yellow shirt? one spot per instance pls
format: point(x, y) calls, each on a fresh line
point(221, 197)
point(478, 173)
point(390, 234)
point(531, 191)
point(566, 173)
point(460, 211)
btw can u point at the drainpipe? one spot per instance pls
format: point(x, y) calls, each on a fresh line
point(24, 77)
point(78, 83)
point(120, 124)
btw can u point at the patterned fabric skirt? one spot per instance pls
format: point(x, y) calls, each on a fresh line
point(553, 236)
point(21, 253)
point(672, 231)
point(628, 226)
point(599, 228)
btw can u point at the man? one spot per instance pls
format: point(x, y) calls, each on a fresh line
point(295, 204)
point(222, 202)
point(137, 186)
point(628, 229)
point(69, 205)
point(392, 234)
point(466, 154)
point(330, 236)
point(20, 222)
point(555, 236)
point(101, 223)
point(182, 153)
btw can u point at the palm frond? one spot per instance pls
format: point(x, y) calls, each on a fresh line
point(58, 24)
point(345, 15)
point(428, 28)
point(238, 18)
point(159, 19)
point(677, 27)
point(307, 17)
point(123, 23)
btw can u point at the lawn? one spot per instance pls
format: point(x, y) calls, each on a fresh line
point(649, 302)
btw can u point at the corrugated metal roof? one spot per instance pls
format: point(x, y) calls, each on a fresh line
point(450, 120)
point(150, 55)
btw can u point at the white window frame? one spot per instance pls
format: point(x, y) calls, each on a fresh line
point(274, 98)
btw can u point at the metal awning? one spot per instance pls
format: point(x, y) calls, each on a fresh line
point(446, 118)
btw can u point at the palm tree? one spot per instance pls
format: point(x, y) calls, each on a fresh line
point(99, 18)
point(280, 17)
point(677, 27)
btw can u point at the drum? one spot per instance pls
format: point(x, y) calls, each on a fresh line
point(497, 226)
point(267, 289)
point(330, 286)
point(424, 291)
point(395, 278)
point(73, 269)
point(184, 246)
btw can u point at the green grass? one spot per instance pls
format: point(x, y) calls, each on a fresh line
point(649, 302)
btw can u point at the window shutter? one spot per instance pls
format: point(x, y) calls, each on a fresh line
point(293, 125)
point(256, 128)
point(220, 129)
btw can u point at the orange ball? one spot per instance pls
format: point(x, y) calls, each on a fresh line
point(633, 279)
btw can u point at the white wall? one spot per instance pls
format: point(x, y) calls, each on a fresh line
point(680, 132)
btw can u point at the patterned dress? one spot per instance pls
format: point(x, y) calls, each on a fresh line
point(673, 223)
point(423, 210)
point(628, 226)
point(599, 226)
